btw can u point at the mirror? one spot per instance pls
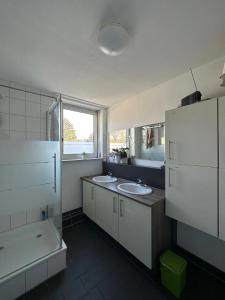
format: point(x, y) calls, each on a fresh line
point(148, 142)
point(144, 142)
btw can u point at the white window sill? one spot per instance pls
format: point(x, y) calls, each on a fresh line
point(80, 159)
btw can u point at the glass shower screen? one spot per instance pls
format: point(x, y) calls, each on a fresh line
point(30, 178)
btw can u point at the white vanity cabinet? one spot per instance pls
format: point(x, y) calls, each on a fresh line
point(135, 229)
point(107, 211)
point(140, 228)
point(89, 200)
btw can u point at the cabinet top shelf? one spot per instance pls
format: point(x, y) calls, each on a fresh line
point(150, 200)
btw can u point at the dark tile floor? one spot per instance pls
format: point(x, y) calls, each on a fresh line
point(99, 269)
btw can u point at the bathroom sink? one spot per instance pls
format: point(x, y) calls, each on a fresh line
point(134, 188)
point(105, 179)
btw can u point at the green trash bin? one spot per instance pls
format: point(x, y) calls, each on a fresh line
point(173, 272)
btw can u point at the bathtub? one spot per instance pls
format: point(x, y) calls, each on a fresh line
point(26, 252)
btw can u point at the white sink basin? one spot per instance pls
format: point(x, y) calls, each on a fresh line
point(105, 179)
point(134, 188)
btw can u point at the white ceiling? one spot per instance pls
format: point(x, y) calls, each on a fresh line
point(51, 44)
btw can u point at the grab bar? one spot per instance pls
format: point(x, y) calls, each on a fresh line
point(54, 157)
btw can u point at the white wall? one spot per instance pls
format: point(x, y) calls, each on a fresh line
point(72, 171)
point(150, 106)
point(202, 245)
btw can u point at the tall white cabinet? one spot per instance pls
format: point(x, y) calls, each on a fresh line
point(191, 135)
point(222, 168)
point(192, 165)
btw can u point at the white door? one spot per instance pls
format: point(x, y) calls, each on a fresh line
point(135, 229)
point(191, 196)
point(222, 132)
point(191, 134)
point(107, 211)
point(222, 204)
point(89, 200)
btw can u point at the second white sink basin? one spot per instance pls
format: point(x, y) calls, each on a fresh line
point(105, 179)
point(134, 188)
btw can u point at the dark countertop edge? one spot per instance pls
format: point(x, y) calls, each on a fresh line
point(130, 196)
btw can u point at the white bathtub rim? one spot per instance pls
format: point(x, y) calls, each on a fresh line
point(33, 264)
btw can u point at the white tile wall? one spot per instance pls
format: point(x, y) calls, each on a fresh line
point(17, 106)
point(4, 134)
point(44, 109)
point(34, 124)
point(33, 215)
point(18, 219)
point(33, 136)
point(4, 223)
point(16, 94)
point(17, 123)
point(4, 91)
point(17, 135)
point(23, 114)
point(4, 121)
point(4, 104)
point(33, 97)
point(33, 109)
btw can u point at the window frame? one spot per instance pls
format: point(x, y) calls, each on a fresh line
point(76, 108)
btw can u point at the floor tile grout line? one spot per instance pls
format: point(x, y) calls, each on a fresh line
point(101, 292)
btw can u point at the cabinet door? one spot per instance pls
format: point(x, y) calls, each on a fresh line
point(222, 204)
point(222, 133)
point(135, 229)
point(191, 196)
point(191, 135)
point(89, 200)
point(107, 211)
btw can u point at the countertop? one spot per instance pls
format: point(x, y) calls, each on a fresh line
point(156, 196)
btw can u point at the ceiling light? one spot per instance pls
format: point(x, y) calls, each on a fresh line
point(113, 39)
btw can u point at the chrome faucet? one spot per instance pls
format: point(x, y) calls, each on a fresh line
point(139, 181)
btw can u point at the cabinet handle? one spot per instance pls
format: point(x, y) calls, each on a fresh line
point(171, 157)
point(114, 205)
point(92, 193)
point(54, 186)
point(121, 208)
point(169, 180)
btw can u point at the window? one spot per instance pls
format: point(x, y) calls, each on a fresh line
point(118, 139)
point(79, 132)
